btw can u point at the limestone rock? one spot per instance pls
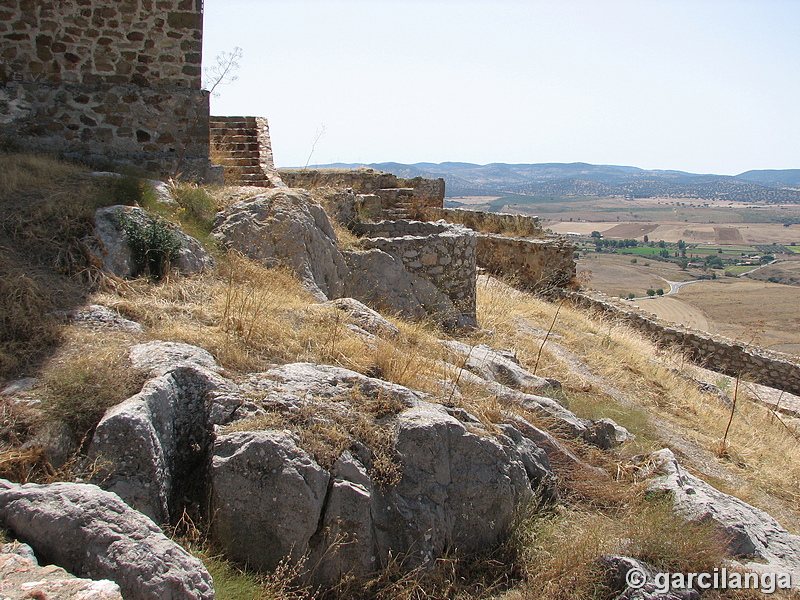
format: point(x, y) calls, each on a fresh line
point(457, 486)
point(151, 450)
point(92, 533)
point(348, 545)
point(287, 227)
point(97, 316)
point(380, 280)
point(458, 489)
point(494, 365)
point(617, 569)
point(366, 318)
point(22, 578)
point(157, 358)
point(752, 533)
point(604, 433)
point(110, 244)
point(298, 382)
point(267, 496)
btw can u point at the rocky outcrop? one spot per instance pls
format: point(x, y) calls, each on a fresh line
point(751, 533)
point(366, 318)
point(21, 578)
point(92, 533)
point(455, 484)
point(494, 365)
point(110, 244)
point(151, 450)
point(603, 433)
point(408, 477)
point(287, 227)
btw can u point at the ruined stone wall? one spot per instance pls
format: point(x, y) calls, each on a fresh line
point(487, 222)
point(532, 263)
point(110, 80)
point(424, 192)
point(442, 253)
point(717, 353)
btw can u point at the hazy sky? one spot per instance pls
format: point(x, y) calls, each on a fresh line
point(697, 85)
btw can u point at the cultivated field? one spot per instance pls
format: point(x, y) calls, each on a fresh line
point(734, 307)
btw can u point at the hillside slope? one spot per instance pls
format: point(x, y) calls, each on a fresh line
point(253, 319)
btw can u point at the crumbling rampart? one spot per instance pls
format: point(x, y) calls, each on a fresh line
point(440, 252)
point(719, 354)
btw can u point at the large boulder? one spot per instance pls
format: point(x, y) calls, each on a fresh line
point(287, 227)
point(380, 279)
point(752, 534)
point(92, 533)
point(267, 496)
point(110, 243)
point(460, 486)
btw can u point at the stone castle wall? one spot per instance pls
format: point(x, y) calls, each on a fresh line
point(536, 264)
point(487, 222)
point(424, 192)
point(106, 80)
point(442, 253)
point(719, 354)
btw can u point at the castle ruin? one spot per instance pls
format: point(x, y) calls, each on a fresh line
point(106, 82)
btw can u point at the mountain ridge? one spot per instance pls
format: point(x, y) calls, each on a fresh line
point(584, 179)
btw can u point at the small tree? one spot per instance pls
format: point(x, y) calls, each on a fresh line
point(660, 291)
point(651, 292)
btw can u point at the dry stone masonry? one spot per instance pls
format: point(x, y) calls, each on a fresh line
point(726, 356)
point(106, 80)
point(440, 252)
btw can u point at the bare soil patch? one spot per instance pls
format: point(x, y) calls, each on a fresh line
point(728, 235)
point(630, 230)
point(672, 309)
point(762, 313)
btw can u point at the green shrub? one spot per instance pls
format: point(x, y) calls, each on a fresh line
point(153, 245)
point(198, 206)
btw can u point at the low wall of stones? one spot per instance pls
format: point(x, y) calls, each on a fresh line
point(719, 354)
point(487, 222)
point(442, 253)
point(535, 264)
point(426, 192)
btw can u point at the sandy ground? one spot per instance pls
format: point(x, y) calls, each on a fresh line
point(672, 309)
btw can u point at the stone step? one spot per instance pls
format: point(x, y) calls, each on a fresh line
point(239, 153)
point(235, 138)
point(233, 122)
point(238, 162)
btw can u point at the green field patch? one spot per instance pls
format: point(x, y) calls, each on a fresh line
point(738, 269)
point(793, 249)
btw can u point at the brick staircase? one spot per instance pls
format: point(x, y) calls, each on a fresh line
point(238, 144)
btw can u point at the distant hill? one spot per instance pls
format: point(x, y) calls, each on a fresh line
point(583, 179)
